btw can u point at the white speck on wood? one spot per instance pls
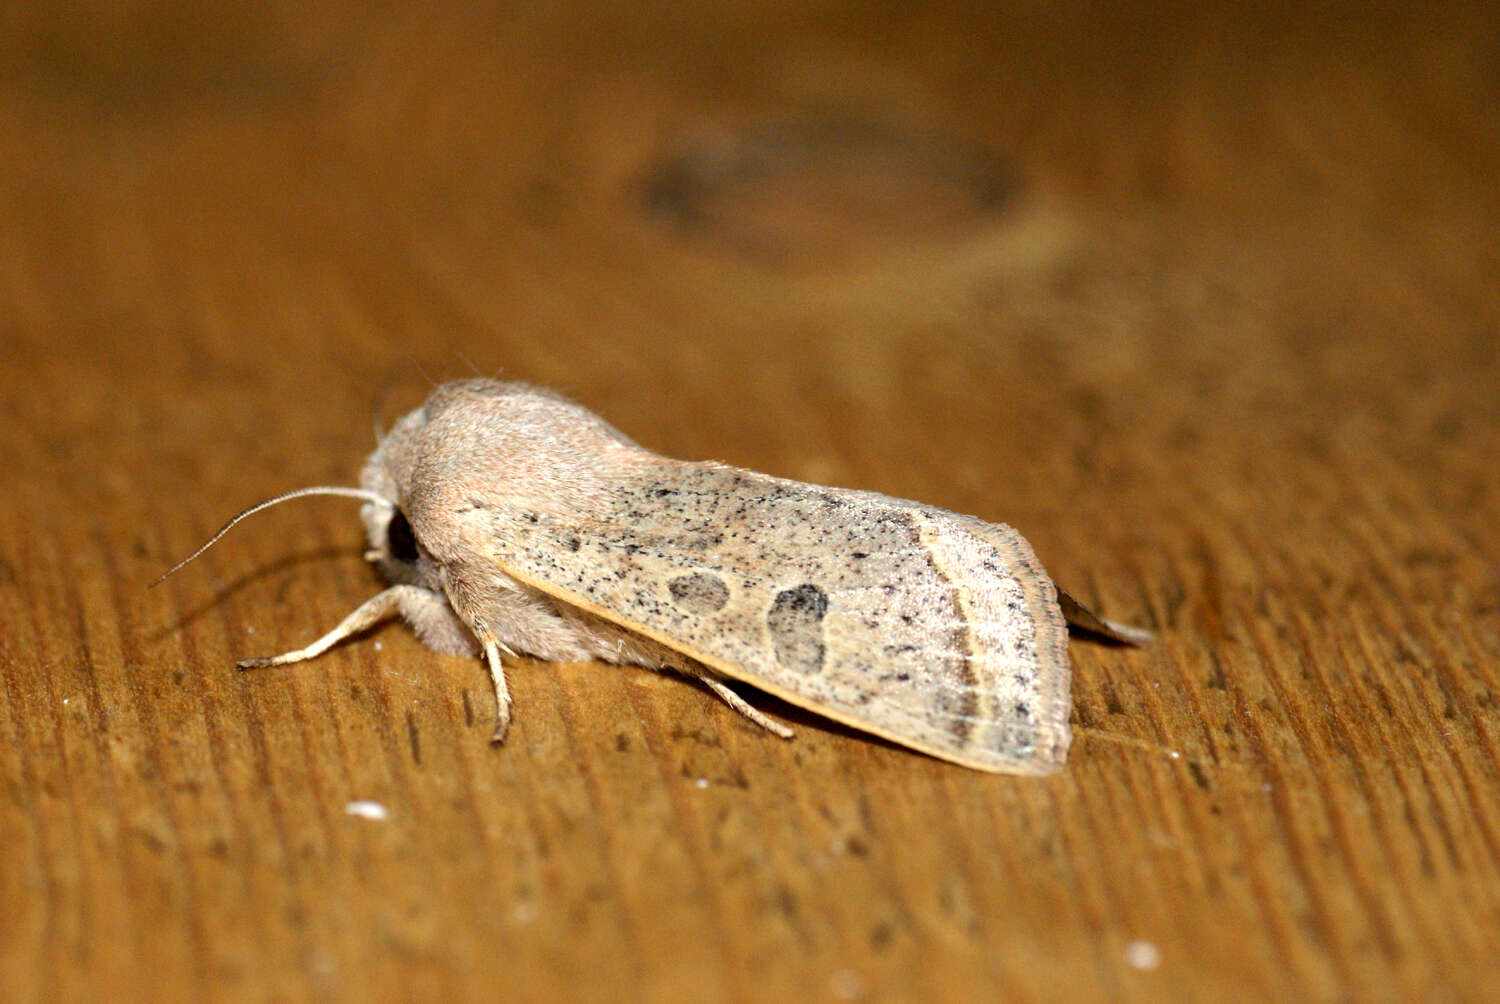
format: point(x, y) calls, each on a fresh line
point(1142, 955)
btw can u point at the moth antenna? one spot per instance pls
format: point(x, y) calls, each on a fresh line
point(353, 493)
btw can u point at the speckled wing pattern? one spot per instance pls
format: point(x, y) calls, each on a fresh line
point(933, 630)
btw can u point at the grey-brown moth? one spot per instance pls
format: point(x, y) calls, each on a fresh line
point(509, 520)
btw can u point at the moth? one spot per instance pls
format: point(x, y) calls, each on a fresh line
point(508, 520)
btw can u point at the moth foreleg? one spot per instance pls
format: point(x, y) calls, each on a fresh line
point(412, 601)
point(739, 704)
point(502, 692)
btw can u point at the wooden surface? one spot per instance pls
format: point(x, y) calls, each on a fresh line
point(1202, 302)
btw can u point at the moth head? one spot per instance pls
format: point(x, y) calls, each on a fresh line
point(395, 550)
point(394, 546)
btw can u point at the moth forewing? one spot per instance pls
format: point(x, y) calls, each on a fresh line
point(935, 631)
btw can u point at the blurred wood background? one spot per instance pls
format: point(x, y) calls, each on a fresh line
point(1202, 300)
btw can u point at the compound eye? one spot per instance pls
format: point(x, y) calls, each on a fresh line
point(400, 542)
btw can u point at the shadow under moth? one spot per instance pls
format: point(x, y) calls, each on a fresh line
point(509, 520)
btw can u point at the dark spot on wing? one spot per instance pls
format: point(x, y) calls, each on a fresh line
point(795, 621)
point(699, 593)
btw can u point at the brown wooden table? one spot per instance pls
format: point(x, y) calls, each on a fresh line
point(1204, 302)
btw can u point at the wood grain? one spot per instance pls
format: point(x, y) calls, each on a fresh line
point(1202, 301)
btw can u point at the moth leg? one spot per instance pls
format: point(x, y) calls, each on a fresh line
point(739, 704)
point(502, 692)
point(397, 599)
point(1081, 617)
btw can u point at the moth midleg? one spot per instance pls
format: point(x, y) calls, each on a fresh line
point(408, 600)
point(502, 692)
point(739, 704)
